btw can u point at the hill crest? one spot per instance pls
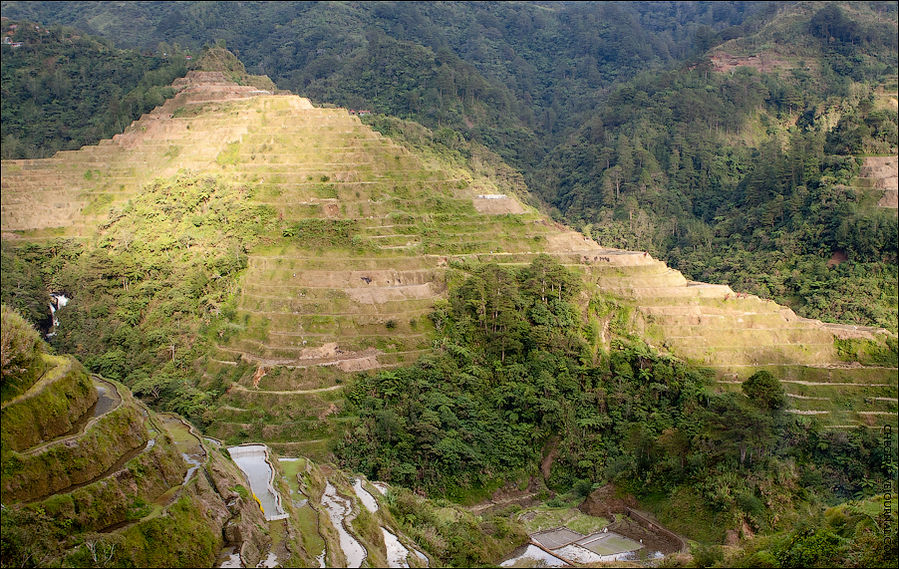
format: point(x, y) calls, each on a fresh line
point(356, 238)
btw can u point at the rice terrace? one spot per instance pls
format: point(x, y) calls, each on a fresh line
point(449, 284)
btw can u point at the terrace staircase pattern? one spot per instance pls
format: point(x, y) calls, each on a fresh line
point(116, 455)
point(317, 309)
point(880, 174)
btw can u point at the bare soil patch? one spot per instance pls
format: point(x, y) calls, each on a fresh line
point(765, 62)
point(604, 503)
point(498, 206)
point(837, 258)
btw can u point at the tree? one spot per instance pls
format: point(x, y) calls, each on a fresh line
point(546, 278)
point(765, 390)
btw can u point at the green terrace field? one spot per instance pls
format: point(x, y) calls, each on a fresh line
point(351, 237)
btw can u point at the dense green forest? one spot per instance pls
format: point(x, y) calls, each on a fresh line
point(521, 374)
point(614, 112)
point(750, 178)
point(62, 90)
point(662, 169)
point(515, 76)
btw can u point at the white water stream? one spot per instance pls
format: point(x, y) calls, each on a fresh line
point(59, 301)
point(339, 508)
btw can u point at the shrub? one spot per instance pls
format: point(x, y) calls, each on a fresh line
point(19, 353)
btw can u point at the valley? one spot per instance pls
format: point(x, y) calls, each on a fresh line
point(296, 334)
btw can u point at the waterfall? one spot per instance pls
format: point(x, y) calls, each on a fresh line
point(57, 301)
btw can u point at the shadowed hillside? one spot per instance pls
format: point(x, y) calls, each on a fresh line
point(350, 238)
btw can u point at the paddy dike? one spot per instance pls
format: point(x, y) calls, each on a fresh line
point(107, 468)
point(339, 521)
point(372, 231)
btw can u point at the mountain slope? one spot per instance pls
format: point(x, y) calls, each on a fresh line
point(326, 246)
point(514, 76)
point(745, 166)
point(62, 89)
point(90, 475)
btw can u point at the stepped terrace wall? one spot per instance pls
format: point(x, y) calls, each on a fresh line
point(51, 407)
point(60, 466)
point(369, 232)
point(111, 501)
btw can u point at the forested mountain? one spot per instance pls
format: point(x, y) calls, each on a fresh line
point(62, 89)
point(745, 169)
point(394, 292)
point(515, 76)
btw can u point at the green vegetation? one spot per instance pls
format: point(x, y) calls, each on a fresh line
point(21, 364)
point(452, 535)
point(22, 287)
point(196, 544)
point(627, 117)
point(857, 533)
point(438, 64)
point(514, 367)
point(663, 168)
point(868, 352)
point(549, 517)
point(64, 394)
point(62, 89)
point(57, 467)
point(145, 310)
point(617, 114)
point(318, 233)
point(111, 491)
point(764, 390)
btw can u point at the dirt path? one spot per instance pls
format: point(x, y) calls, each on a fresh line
point(490, 504)
point(840, 384)
point(547, 462)
point(811, 383)
point(239, 387)
point(847, 365)
point(366, 360)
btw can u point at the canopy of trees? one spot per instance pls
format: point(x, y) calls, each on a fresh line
point(62, 90)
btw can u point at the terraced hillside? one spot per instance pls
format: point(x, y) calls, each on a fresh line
point(76, 188)
point(738, 334)
point(369, 233)
point(881, 174)
point(89, 473)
